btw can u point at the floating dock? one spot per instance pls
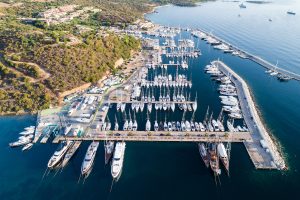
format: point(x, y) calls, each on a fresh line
point(267, 157)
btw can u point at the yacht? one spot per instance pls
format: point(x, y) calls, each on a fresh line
point(197, 127)
point(20, 143)
point(59, 153)
point(89, 158)
point(119, 106)
point(165, 126)
point(184, 106)
point(189, 107)
point(203, 153)
point(183, 128)
point(26, 137)
point(169, 126)
point(195, 105)
point(164, 106)
point(70, 153)
point(109, 148)
point(220, 125)
point(116, 124)
point(27, 132)
point(173, 106)
point(156, 126)
point(142, 105)
point(30, 128)
point(230, 126)
point(193, 128)
point(104, 126)
point(148, 125)
point(173, 126)
point(235, 115)
point(108, 126)
point(135, 125)
point(222, 153)
point(214, 159)
point(123, 106)
point(130, 123)
point(178, 127)
point(125, 126)
point(118, 159)
point(274, 73)
point(201, 126)
point(27, 146)
point(149, 106)
point(187, 126)
point(215, 125)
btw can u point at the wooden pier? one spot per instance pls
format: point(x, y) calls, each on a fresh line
point(159, 136)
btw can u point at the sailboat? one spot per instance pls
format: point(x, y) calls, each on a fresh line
point(202, 147)
point(209, 123)
point(183, 127)
point(148, 123)
point(220, 121)
point(174, 95)
point(125, 126)
point(195, 104)
point(135, 124)
point(172, 105)
point(123, 106)
point(116, 124)
point(149, 106)
point(109, 149)
point(189, 106)
point(130, 123)
point(214, 159)
point(156, 124)
point(222, 153)
point(119, 104)
point(108, 124)
point(193, 127)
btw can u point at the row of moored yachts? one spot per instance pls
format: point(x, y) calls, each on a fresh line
point(228, 92)
point(113, 152)
point(25, 139)
point(167, 81)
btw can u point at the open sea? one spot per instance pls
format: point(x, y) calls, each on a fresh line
point(175, 170)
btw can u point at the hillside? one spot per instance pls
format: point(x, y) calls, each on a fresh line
point(41, 58)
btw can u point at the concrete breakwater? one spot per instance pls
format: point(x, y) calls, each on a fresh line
point(263, 151)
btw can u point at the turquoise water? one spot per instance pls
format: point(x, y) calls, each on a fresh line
point(175, 170)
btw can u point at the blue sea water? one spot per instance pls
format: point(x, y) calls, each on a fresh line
point(175, 170)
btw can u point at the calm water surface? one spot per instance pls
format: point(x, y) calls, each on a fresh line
point(175, 170)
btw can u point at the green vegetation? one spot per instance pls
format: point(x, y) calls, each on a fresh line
point(17, 94)
point(71, 66)
point(70, 56)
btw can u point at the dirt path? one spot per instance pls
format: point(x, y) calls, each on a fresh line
point(43, 73)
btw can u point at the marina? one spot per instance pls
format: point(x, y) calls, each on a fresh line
point(162, 160)
point(160, 89)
